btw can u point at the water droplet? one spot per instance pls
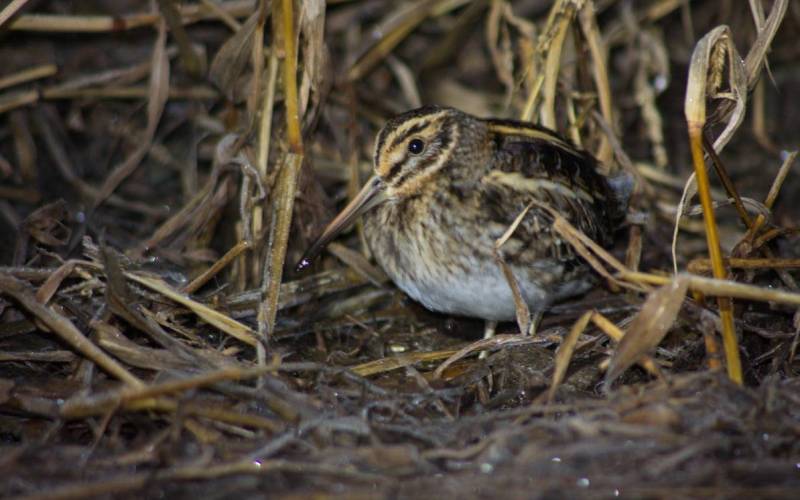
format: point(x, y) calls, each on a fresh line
point(660, 83)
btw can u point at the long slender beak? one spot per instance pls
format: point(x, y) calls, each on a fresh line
point(371, 195)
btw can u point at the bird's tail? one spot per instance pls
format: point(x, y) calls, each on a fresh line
point(621, 186)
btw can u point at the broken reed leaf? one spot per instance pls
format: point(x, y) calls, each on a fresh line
point(315, 54)
point(522, 311)
point(64, 328)
point(649, 327)
point(757, 54)
point(51, 284)
point(565, 351)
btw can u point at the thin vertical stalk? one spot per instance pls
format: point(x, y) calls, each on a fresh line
point(729, 342)
point(286, 185)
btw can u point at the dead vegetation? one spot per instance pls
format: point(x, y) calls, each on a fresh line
point(163, 166)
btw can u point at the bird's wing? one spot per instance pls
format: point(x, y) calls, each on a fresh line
point(535, 164)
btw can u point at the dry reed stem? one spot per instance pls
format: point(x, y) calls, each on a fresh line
point(190, 13)
point(265, 136)
point(220, 264)
point(695, 111)
point(551, 42)
point(278, 242)
point(391, 32)
point(286, 186)
point(384, 365)
point(28, 75)
point(720, 288)
point(700, 266)
point(290, 80)
point(9, 10)
point(599, 54)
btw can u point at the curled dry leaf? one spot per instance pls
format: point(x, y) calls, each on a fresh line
point(231, 60)
point(649, 327)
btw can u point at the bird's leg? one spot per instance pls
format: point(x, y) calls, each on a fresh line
point(489, 329)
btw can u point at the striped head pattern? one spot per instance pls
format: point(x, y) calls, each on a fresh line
point(414, 146)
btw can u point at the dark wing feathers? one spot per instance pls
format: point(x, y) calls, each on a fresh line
point(535, 163)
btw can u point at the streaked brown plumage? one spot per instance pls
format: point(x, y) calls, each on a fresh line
point(447, 185)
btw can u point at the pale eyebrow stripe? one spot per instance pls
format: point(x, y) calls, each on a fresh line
point(533, 133)
point(401, 136)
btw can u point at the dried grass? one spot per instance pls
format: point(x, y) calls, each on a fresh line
point(160, 171)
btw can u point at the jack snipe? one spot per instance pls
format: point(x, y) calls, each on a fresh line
point(447, 185)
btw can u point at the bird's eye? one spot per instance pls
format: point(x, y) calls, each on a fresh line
point(415, 146)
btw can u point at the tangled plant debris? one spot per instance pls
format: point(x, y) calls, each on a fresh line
point(164, 166)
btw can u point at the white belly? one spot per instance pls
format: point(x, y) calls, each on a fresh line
point(483, 293)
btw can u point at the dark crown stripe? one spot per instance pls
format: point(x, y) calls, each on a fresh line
point(409, 132)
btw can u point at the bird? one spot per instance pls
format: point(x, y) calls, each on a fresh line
point(446, 187)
